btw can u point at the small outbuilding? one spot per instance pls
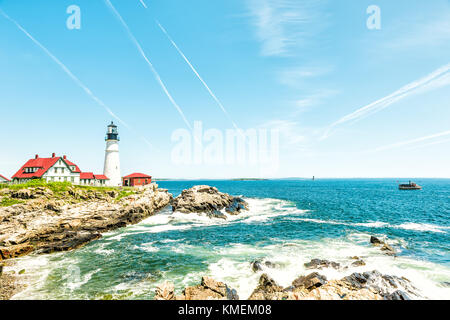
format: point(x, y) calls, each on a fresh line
point(3, 179)
point(136, 179)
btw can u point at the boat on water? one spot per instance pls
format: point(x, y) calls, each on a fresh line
point(410, 186)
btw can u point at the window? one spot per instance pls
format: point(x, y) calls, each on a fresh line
point(62, 170)
point(56, 170)
point(73, 179)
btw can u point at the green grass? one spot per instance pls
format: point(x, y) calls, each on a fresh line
point(6, 202)
point(60, 189)
point(124, 193)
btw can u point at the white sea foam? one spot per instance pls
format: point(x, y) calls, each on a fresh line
point(423, 227)
point(234, 266)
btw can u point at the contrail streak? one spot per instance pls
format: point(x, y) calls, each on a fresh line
point(70, 74)
point(198, 75)
point(152, 68)
point(429, 144)
point(143, 3)
point(413, 141)
point(436, 79)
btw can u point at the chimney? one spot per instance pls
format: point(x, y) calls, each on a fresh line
point(64, 157)
point(53, 155)
point(37, 156)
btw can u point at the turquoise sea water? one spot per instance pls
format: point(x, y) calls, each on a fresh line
point(289, 223)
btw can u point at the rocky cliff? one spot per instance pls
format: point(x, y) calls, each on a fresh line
point(46, 220)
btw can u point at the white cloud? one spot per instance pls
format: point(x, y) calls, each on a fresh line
point(296, 77)
point(290, 132)
point(283, 24)
point(312, 100)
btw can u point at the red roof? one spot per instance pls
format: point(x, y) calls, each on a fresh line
point(86, 175)
point(138, 175)
point(4, 177)
point(43, 164)
point(101, 177)
point(77, 170)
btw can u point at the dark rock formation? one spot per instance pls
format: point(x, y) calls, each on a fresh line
point(358, 263)
point(257, 265)
point(311, 281)
point(375, 240)
point(267, 289)
point(206, 199)
point(320, 264)
point(387, 249)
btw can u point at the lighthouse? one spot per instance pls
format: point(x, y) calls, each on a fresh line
point(112, 160)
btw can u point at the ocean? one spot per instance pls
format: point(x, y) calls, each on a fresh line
point(289, 223)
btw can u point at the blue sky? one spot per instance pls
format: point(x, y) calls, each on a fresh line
point(347, 101)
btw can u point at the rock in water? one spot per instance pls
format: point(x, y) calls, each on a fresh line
point(375, 240)
point(256, 265)
point(216, 214)
point(319, 264)
point(358, 263)
point(236, 206)
point(206, 199)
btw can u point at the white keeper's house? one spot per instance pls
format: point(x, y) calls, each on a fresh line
point(57, 169)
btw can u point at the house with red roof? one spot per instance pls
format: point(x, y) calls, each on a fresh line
point(56, 169)
point(91, 179)
point(3, 179)
point(136, 179)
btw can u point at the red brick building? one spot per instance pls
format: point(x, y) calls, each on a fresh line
point(136, 179)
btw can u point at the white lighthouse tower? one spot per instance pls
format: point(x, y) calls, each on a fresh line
point(112, 160)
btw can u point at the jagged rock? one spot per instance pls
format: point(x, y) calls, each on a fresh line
point(236, 206)
point(375, 240)
point(309, 282)
point(397, 295)
point(388, 249)
point(22, 194)
point(55, 206)
point(206, 199)
point(384, 285)
point(113, 194)
point(69, 241)
point(165, 291)
point(216, 214)
point(358, 263)
point(338, 290)
point(268, 289)
point(15, 251)
point(209, 289)
point(256, 265)
point(320, 264)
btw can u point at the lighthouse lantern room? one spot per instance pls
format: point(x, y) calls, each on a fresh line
point(112, 160)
